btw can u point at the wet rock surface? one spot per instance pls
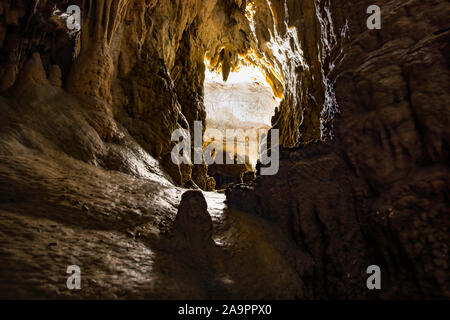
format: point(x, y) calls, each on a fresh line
point(86, 176)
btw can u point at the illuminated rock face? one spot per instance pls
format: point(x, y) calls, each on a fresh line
point(246, 101)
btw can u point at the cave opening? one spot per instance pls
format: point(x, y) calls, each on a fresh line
point(244, 104)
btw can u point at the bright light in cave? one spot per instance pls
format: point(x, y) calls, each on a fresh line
point(245, 74)
point(246, 101)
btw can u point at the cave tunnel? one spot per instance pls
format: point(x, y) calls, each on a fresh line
point(99, 98)
point(245, 103)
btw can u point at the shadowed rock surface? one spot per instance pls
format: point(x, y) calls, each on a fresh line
point(86, 175)
point(193, 221)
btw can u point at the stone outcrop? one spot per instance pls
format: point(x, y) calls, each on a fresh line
point(193, 222)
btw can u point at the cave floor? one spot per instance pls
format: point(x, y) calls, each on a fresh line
point(56, 211)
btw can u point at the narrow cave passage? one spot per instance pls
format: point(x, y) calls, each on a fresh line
point(245, 103)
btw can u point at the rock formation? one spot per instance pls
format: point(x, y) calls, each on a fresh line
point(193, 222)
point(85, 149)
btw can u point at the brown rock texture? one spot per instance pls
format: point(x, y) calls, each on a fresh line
point(378, 193)
point(86, 175)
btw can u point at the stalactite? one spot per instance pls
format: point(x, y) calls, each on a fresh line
point(92, 72)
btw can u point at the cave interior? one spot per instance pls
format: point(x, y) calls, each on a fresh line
point(86, 170)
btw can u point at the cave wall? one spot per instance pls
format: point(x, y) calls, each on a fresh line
point(27, 27)
point(135, 61)
point(377, 192)
point(139, 63)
